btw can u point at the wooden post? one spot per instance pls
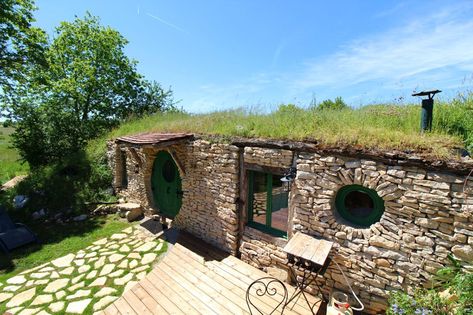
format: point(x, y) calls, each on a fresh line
point(242, 200)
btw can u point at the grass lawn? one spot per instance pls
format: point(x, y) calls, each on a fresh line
point(57, 240)
point(9, 158)
point(89, 272)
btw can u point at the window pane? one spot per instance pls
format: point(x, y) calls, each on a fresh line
point(279, 205)
point(359, 204)
point(259, 197)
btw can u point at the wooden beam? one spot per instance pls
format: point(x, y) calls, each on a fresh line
point(136, 157)
point(264, 168)
point(242, 200)
point(162, 144)
point(275, 144)
point(173, 154)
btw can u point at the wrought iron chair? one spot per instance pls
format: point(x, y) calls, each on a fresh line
point(271, 287)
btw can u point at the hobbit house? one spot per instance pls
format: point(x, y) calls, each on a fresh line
point(393, 218)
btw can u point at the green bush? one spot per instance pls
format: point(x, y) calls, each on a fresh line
point(338, 104)
point(456, 285)
point(460, 282)
point(65, 186)
point(423, 302)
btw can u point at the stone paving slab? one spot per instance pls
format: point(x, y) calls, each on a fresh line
point(85, 282)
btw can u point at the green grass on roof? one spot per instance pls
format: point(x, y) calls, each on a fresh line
point(382, 127)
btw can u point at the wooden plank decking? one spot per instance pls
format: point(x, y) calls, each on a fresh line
point(196, 278)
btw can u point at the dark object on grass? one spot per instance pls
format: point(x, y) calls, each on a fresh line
point(427, 109)
point(13, 235)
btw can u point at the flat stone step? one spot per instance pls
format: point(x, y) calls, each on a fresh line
point(12, 182)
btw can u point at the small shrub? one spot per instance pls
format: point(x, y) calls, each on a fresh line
point(65, 187)
point(452, 294)
point(460, 282)
point(423, 302)
point(338, 104)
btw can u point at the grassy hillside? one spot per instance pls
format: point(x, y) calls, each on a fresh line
point(9, 158)
point(383, 127)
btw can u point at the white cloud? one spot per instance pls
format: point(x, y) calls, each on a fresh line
point(428, 51)
point(422, 49)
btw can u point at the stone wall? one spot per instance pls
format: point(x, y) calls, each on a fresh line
point(427, 216)
point(139, 167)
point(259, 249)
point(210, 179)
point(268, 157)
point(262, 250)
point(211, 185)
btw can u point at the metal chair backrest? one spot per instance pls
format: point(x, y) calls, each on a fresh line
point(267, 286)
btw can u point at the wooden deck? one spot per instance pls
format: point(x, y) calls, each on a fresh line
point(196, 278)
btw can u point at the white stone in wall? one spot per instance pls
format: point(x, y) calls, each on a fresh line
point(464, 252)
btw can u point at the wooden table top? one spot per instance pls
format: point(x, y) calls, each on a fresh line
point(309, 248)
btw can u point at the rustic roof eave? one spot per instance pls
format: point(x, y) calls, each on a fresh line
point(152, 139)
point(393, 157)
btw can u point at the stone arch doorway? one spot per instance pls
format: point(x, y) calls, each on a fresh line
point(166, 185)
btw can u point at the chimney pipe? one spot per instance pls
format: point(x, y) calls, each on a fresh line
point(427, 109)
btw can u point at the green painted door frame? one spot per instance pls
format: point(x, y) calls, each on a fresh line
point(269, 205)
point(166, 185)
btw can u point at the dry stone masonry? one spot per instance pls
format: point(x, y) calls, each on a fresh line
point(209, 208)
point(268, 157)
point(427, 214)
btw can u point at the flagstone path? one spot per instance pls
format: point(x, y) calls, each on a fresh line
point(87, 281)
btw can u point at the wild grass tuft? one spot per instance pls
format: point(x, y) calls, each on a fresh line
point(382, 127)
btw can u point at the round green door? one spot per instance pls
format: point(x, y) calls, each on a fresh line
point(166, 185)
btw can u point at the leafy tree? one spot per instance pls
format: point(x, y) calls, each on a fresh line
point(150, 98)
point(21, 45)
point(89, 86)
point(338, 104)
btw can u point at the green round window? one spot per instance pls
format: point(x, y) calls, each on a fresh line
point(359, 205)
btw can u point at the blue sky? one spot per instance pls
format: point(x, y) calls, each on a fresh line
point(219, 54)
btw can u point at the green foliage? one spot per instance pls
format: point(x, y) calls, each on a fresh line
point(7, 123)
point(422, 302)
point(379, 127)
point(64, 187)
point(456, 285)
point(460, 282)
point(150, 98)
point(288, 109)
point(87, 88)
point(21, 44)
point(11, 165)
point(456, 118)
point(338, 104)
